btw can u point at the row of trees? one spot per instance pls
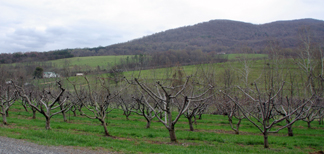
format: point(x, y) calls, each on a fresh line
point(18, 57)
point(277, 94)
point(282, 91)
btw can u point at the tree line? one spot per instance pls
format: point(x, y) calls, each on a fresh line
point(19, 57)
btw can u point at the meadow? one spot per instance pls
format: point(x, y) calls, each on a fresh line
point(256, 63)
point(92, 61)
point(212, 134)
point(104, 61)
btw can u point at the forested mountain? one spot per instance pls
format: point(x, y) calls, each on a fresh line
point(217, 36)
point(214, 37)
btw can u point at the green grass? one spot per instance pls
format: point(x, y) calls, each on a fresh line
point(257, 68)
point(238, 56)
point(212, 134)
point(93, 61)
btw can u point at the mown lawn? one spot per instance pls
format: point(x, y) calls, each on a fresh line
point(212, 135)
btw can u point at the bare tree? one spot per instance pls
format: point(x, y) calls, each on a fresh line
point(224, 104)
point(77, 100)
point(142, 109)
point(98, 101)
point(34, 96)
point(232, 111)
point(8, 96)
point(126, 103)
point(165, 97)
point(196, 108)
point(316, 112)
point(263, 102)
point(262, 110)
point(311, 63)
point(47, 102)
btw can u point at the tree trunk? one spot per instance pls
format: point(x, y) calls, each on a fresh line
point(190, 123)
point(7, 113)
point(4, 119)
point(48, 123)
point(148, 124)
point(265, 137)
point(236, 130)
point(173, 137)
point(105, 127)
point(238, 127)
point(74, 113)
point(319, 121)
point(64, 116)
point(290, 131)
point(34, 114)
point(309, 124)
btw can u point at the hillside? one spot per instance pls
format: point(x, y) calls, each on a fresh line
point(218, 36)
point(214, 36)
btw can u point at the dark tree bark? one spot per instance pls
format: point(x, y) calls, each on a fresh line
point(48, 123)
point(190, 124)
point(8, 96)
point(4, 119)
point(265, 138)
point(172, 134)
point(148, 123)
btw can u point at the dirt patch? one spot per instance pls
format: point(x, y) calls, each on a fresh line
point(317, 152)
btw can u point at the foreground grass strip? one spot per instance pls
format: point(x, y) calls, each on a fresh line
point(213, 135)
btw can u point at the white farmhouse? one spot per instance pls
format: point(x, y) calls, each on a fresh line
point(79, 74)
point(50, 75)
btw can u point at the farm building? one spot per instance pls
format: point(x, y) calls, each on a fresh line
point(50, 75)
point(79, 74)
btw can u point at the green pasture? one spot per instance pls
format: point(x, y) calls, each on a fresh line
point(93, 61)
point(85, 62)
point(212, 134)
point(251, 56)
point(257, 69)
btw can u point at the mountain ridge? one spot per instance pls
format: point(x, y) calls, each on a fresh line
point(222, 36)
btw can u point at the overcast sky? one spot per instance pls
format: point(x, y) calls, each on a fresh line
point(43, 25)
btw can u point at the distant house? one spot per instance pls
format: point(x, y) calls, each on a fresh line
point(50, 75)
point(79, 74)
point(221, 53)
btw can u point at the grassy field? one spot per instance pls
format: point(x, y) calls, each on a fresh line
point(93, 61)
point(238, 56)
point(111, 60)
point(256, 68)
point(212, 135)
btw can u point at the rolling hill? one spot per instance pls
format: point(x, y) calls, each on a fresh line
point(219, 36)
